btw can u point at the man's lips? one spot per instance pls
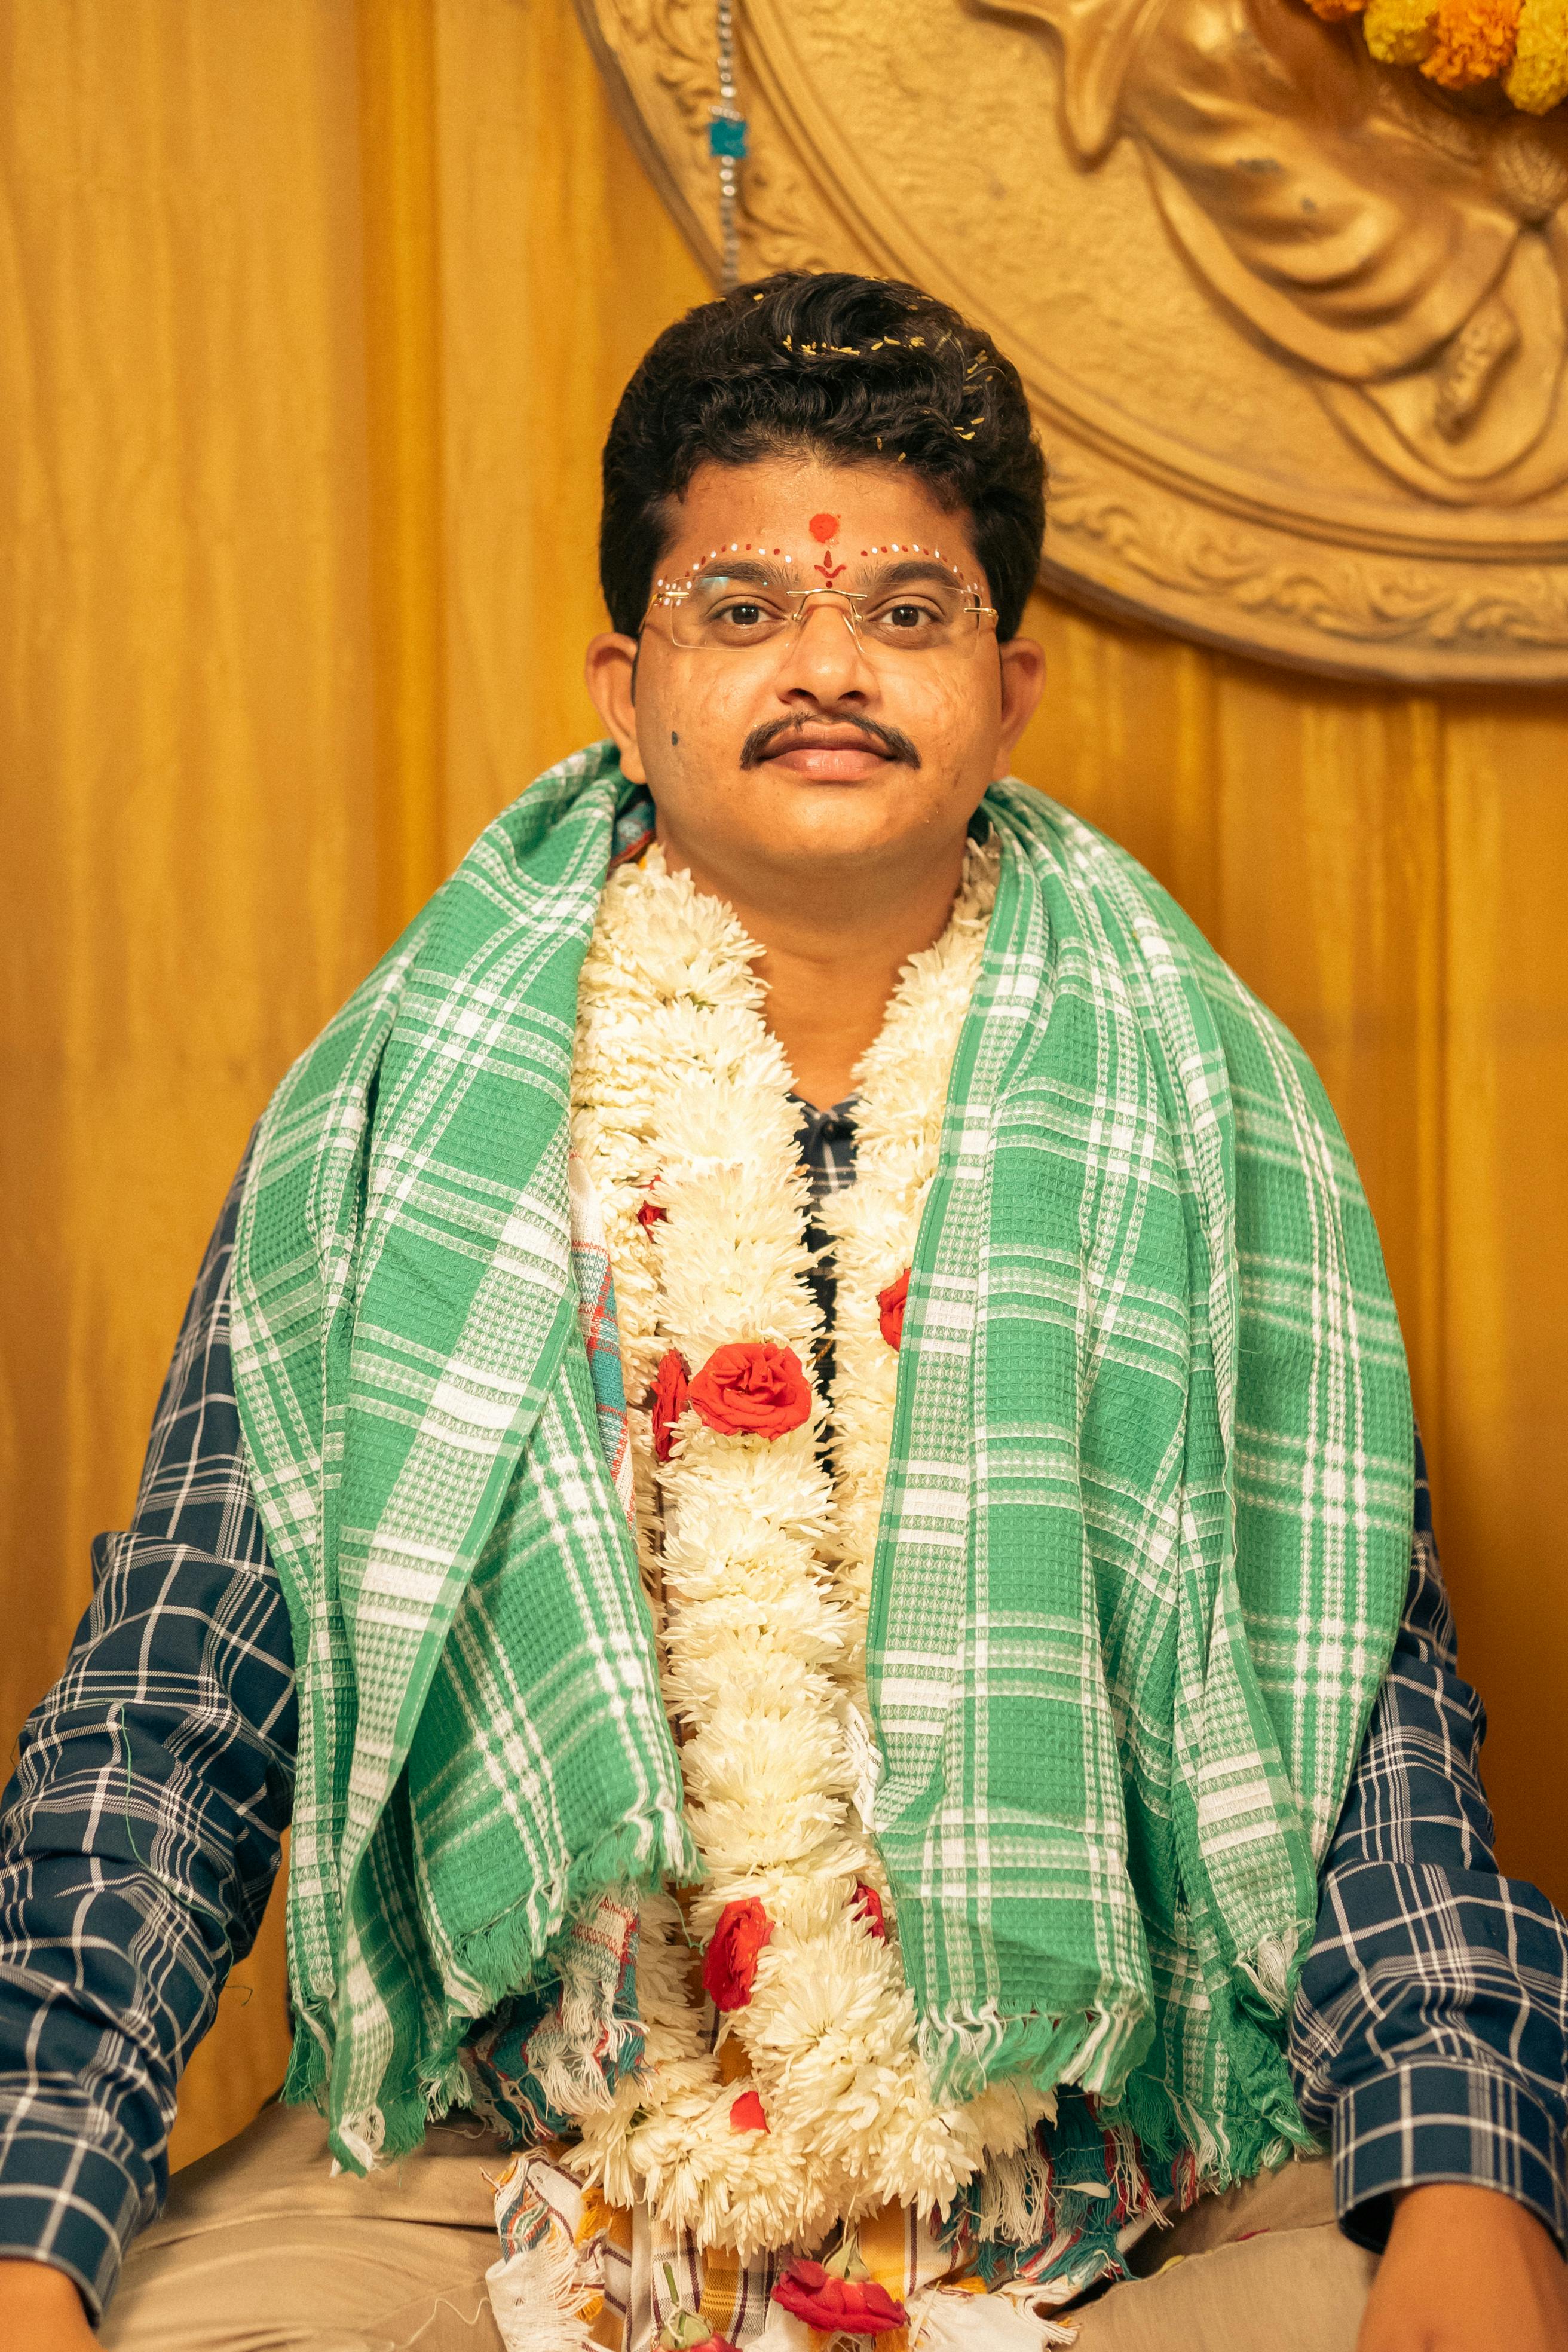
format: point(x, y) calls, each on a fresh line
point(831, 758)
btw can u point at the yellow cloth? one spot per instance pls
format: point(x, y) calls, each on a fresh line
point(312, 313)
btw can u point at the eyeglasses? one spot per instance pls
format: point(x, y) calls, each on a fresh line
point(725, 614)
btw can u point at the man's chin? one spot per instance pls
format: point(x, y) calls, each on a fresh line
point(840, 827)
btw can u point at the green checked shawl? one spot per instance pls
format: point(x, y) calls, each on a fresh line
point(1142, 1555)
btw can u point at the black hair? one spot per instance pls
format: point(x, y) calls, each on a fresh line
point(850, 368)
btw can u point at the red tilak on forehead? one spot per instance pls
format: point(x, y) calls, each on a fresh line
point(825, 526)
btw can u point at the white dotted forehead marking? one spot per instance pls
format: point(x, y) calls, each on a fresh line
point(894, 547)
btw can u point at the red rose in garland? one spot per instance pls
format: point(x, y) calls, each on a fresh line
point(670, 1394)
point(746, 2115)
point(752, 1389)
point(868, 1907)
point(892, 1302)
point(729, 1966)
point(853, 2306)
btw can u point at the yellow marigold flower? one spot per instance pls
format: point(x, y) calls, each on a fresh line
point(1538, 78)
point(1475, 42)
point(1400, 32)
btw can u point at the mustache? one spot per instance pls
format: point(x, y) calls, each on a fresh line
point(763, 740)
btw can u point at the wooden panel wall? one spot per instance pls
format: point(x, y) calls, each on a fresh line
point(311, 319)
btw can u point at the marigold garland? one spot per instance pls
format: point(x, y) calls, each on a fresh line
point(1461, 44)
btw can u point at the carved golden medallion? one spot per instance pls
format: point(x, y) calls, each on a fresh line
point(1291, 319)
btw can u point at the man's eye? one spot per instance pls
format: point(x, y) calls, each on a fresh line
point(743, 616)
point(907, 616)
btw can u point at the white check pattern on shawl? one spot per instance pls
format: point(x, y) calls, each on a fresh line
point(482, 1745)
point(1125, 1636)
point(1146, 1523)
point(1144, 1541)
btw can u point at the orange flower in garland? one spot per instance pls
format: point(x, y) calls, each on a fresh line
point(1473, 42)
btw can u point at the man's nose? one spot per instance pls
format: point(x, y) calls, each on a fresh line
point(823, 657)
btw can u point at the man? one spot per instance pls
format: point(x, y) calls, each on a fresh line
point(959, 1793)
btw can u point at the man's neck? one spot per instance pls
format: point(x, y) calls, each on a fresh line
point(831, 958)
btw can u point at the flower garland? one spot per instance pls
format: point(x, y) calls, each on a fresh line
point(815, 2106)
point(1460, 44)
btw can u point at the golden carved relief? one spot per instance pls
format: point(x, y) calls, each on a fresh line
point(1292, 321)
point(1399, 243)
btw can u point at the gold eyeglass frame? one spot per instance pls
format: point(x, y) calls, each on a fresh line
point(799, 598)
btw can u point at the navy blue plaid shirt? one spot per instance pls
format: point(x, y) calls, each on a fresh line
point(141, 1832)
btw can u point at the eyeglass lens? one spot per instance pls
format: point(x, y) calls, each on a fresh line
point(718, 610)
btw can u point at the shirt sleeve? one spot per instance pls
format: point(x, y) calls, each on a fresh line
point(1429, 2039)
point(141, 1832)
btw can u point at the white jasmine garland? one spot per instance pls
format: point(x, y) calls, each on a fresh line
point(758, 1563)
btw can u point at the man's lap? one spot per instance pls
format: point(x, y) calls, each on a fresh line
point(261, 2250)
point(1263, 2269)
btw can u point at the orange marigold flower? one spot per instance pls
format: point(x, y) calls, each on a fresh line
point(1474, 42)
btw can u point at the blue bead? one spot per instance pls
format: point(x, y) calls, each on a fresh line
point(726, 137)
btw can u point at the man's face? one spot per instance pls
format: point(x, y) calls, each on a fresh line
point(809, 749)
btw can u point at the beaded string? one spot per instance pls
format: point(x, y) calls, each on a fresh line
point(894, 547)
point(727, 145)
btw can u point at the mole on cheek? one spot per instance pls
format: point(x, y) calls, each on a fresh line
point(673, 736)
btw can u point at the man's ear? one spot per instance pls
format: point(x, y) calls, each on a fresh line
point(611, 672)
point(1023, 682)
